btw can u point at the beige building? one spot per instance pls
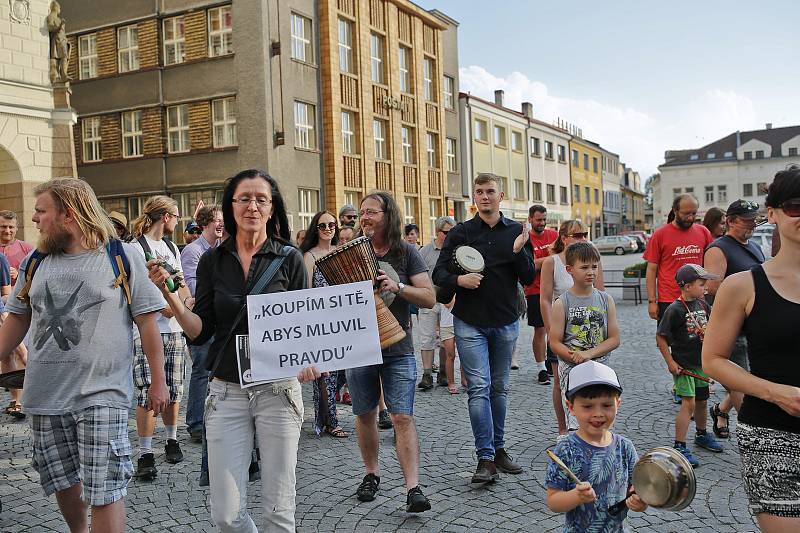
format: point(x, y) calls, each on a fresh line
point(384, 95)
point(35, 117)
point(176, 96)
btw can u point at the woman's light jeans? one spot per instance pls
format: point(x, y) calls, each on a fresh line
point(274, 412)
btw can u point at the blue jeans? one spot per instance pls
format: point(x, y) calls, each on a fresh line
point(485, 354)
point(198, 385)
point(397, 373)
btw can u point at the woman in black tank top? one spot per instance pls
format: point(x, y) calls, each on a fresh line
point(764, 303)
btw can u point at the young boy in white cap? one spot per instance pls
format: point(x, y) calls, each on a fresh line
point(602, 460)
point(680, 340)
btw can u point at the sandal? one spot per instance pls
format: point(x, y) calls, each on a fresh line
point(10, 407)
point(721, 432)
point(452, 389)
point(337, 432)
point(15, 410)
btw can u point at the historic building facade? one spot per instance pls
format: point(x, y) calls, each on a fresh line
point(587, 184)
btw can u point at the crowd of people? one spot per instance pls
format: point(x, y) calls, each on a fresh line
point(104, 326)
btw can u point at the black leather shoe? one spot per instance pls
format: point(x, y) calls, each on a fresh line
point(146, 467)
point(486, 472)
point(368, 488)
point(426, 383)
point(416, 502)
point(504, 463)
point(173, 451)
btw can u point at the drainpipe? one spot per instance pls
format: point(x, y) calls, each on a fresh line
point(161, 108)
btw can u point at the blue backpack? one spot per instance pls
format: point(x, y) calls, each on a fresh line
point(119, 264)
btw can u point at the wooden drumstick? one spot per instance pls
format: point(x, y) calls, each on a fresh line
point(563, 467)
point(696, 376)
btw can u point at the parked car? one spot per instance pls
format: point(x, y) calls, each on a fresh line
point(618, 244)
point(641, 243)
point(643, 234)
point(764, 241)
point(764, 229)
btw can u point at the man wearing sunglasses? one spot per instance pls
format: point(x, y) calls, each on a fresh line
point(673, 245)
point(348, 216)
point(733, 252)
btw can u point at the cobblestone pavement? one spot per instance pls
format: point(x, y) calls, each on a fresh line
point(329, 470)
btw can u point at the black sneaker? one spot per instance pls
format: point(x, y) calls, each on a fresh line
point(384, 420)
point(366, 491)
point(504, 463)
point(486, 472)
point(426, 383)
point(146, 467)
point(544, 377)
point(196, 435)
point(416, 502)
point(173, 451)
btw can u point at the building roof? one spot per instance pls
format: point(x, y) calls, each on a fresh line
point(775, 137)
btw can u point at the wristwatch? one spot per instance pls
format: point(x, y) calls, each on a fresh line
point(400, 287)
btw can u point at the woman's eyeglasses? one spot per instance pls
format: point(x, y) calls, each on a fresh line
point(579, 235)
point(322, 226)
point(791, 207)
point(261, 201)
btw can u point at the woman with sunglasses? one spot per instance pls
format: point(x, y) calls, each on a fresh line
point(555, 281)
point(321, 238)
point(764, 303)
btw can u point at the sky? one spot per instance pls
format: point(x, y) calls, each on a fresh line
point(638, 77)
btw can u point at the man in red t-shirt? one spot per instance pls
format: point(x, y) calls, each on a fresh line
point(541, 239)
point(673, 245)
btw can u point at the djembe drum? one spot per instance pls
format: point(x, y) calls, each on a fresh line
point(356, 261)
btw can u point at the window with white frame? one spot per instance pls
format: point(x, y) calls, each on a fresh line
point(499, 136)
point(87, 56)
point(449, 92)
point(410, 212)
point(407, 144)
point(428, 71)
point(435, 212)
point(564, 192)
point(481, 133)
point(562, 153)
point(519, 190)
point(747, 190)
point(308, 206)
point(548, 149)
point(223, 118)
point(534, 145)
point(433, 155)
point(304, 126)
point(516, 141)
point(377, 55)
point(709, 194)
point(178, 129)
point(92, 150)
point(346, 46)
point(537, 191)
point(551, 193)
point(132, 134)
point(404, 65)
point(128, 48)
point(379, 133)
point(349, 144)
point(220, 31)
point(302, 47)
point(352, 198)
point(174, 41)
point(722, 193)
point(452, 148)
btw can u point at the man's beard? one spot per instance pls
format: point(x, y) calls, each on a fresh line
point(56, 240)
point(683, 224)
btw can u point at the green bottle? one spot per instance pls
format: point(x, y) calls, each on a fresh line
point(169, 282)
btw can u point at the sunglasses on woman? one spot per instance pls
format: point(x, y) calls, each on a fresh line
point(579, 235)
point(791, 207)
point(322, 226)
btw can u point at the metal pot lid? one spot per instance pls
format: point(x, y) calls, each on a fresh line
point(664, 479)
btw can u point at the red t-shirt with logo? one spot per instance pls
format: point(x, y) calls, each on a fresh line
point(671, 248)
point(541, 248)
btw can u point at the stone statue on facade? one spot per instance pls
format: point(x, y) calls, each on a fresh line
point(59, 45)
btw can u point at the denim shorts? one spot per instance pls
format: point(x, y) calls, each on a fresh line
point(398, 373)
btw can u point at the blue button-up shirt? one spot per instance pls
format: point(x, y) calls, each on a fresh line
point(190, 256)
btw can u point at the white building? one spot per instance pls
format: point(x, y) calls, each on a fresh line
point(740, 165)
point(549, 176)
point(35, 120)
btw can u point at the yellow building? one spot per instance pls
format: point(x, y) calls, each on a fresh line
point(383, 118)
point(587, 184)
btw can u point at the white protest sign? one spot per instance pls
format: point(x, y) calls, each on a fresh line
point(331, 328)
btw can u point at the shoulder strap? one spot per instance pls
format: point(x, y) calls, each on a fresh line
point(172, 247)
point(263, 281)
point(34, 261)
point(142, 240)
point(120, 266)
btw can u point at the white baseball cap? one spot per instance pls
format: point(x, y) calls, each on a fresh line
point(591, 373)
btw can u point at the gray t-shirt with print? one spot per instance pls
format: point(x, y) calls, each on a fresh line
point(81, 334)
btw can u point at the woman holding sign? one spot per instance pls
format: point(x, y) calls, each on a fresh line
point(255, 218)
point(321, 239)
